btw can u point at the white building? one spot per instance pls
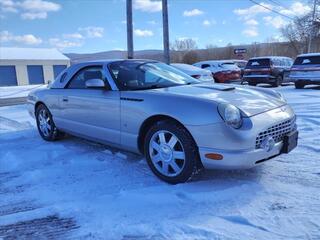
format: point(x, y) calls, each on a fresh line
point(24, 66)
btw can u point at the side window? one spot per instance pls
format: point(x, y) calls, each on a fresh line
point(283, 62)
point(79, 79)
point(287, 62)
point(205, 65)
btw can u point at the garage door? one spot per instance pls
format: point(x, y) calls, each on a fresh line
point(8, 76)
point(57, 69)
point(35, 74)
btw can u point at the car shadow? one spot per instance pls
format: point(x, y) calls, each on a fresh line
point(312, 87)
point(252, 174)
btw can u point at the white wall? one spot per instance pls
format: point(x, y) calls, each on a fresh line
point(22, 73)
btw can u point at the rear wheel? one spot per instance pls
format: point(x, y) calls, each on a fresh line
point(299, 85)
point(171, 153)
point(46, 127)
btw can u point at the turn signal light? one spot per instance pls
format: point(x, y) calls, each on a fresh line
point(214, 156)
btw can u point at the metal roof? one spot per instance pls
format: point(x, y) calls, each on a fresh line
point(11, 53)
point(271, 57)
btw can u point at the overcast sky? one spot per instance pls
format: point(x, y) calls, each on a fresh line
point(99, 25)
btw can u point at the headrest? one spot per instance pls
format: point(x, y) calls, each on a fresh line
point(92, 75)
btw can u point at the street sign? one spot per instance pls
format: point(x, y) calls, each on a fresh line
point(240, 51)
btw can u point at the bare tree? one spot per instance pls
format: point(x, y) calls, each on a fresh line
point(185, 44)
point(180, 47)
point(190, 57)
point(302, 31)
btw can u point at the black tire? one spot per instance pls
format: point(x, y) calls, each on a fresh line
point(54, 133)
point(216, 80)
point(192, 160)
point(298, 85)
point(252, 84)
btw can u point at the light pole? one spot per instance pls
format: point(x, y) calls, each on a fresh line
point(312, 25)
point(129, 30)
point(165, 23)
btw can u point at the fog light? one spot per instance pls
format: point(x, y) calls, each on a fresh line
point(268, 143)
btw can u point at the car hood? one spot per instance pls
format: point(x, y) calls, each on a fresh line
point(250, 101)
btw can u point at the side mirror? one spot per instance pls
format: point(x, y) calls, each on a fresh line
point(95, 83)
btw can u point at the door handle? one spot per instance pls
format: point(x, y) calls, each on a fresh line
point(65, 99)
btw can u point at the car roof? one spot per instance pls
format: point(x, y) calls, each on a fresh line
point(74, 68)
point(215, 61)
point(185, 66)
point(309, 55)
point(269, 57)
point(106, 61)
point(238, 60)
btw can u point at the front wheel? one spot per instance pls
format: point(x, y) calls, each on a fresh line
point(46, 127)
point(171, 152)
point(299, 85)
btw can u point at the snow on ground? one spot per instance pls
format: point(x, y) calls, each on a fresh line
point(77, 189)
point(17, 91)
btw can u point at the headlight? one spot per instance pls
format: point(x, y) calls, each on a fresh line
point(231, 115)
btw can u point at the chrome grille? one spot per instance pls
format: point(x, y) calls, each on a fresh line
point(277, 132)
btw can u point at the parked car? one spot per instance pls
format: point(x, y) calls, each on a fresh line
point(193, 71)
point(223, 71)
point(266, 70)
point(241, 64)
point(306, 70)
point(179, 123)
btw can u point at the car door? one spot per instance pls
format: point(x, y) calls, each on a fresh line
point(88, 112)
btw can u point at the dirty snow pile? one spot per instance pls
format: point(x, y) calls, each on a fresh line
point(77, 189)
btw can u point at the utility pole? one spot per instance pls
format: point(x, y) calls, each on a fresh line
point(129, 30)
point(165, 23)
point(312, 25)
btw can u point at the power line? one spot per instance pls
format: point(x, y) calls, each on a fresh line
point(279, 4)
point(272, 10)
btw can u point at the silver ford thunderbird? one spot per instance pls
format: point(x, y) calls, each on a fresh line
point(179, 123)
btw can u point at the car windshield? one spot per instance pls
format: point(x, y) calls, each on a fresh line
point(307, 60)
point(139, 75)
point(257, 63)
point(229, 66)
point(241, 64)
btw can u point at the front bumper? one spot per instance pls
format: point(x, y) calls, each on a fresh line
point(238, 159)
point(239, 146)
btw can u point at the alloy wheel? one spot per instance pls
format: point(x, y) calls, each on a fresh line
point(167, 153)
point(45, 122)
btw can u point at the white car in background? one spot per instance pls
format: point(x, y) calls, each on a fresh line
point(195, 72)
